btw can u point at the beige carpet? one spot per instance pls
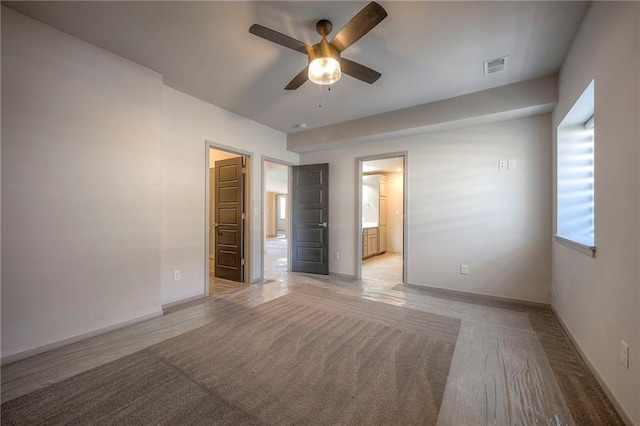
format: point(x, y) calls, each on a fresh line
point(311, 357)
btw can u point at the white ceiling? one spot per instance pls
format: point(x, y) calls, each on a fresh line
point(426, 51)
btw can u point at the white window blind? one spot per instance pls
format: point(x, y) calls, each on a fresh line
point(575, 172)
point(576, 157)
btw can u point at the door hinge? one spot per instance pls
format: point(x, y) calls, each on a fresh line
point(244, 170)
point(242, 262)
point(242, 216)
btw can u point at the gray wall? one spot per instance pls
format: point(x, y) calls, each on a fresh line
point(187, 127)
point(81, 222)
point(598, 298)
point(460, 207)
point(103, 188)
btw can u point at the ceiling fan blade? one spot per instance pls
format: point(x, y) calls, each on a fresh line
point(359, 25)
point(278, 38)
point(359, 71)
point(299, 79)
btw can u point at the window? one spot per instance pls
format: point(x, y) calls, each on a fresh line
point(575, 175)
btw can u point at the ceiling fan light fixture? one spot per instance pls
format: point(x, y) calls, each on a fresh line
point(325, 61)
point(324, 71)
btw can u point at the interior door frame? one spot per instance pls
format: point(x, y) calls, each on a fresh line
point(262, 196)
point(247, 200)
point(405, 204)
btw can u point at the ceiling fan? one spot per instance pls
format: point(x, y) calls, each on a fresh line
point(325, 63)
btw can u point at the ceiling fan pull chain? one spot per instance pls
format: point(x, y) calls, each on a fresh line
point(319, 96)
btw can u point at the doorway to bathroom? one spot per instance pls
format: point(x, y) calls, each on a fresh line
point(381, 217)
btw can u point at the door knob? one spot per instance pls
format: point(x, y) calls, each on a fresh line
point(323, 224)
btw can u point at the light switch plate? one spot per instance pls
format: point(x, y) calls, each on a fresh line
point(624, 353)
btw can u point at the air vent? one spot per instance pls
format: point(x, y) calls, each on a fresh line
point(495, 65)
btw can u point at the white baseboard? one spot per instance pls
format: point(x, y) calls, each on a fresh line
point(64, 342)
point(603, 384)
point(343, 276)
point(181, 301)
point(481, 296)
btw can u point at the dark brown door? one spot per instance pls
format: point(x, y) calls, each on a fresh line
point(229, 219)
point(310, 219)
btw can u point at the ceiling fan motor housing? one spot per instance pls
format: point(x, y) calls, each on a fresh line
point(323, 50)
point(324, 27)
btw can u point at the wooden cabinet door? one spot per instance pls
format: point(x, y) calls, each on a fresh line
point(373, 242)
point(383, 186)
point(382, 232)
point(365, 243)
point(383, 211)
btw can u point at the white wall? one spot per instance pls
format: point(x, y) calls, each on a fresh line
point(461, 209)
point(187, 124)
point(598, 298)
point(0, 183)
point(81, 132)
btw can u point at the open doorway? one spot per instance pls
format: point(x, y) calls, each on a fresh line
point(276, 219)
point(228, 233)
point(382, 204)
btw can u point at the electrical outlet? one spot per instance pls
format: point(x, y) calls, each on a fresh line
point(512, 164)
point(336, 255)
point(624, 353)
point(176, 275)
point(464, 269)
point(502, 164)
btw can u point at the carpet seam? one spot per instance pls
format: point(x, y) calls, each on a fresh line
point(191, 380)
